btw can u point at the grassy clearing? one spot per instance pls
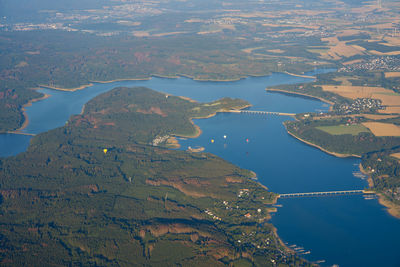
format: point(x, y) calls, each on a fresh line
point(344, 129)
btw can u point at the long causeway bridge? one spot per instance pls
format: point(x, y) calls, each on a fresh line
point(21, 133)
point(327, 193)
point(262, 112)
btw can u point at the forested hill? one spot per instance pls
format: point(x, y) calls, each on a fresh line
point(69, 201)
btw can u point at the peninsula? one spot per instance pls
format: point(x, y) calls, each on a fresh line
point(105, 190)
point(363, 122)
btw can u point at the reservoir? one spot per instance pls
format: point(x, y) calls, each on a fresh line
point(343, 230)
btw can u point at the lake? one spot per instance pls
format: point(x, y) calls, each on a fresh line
point(343, 230)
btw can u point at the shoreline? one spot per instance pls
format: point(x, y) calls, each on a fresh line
point(339, 155)
point(64, 89)
point(370, 182)
point(274, 201)
point(196, 133)
point(26, 119)
point(275, 231)
point(391, 208)
point(91, 83)
point(301, 94)
point(176, 77)
point(300, 75)
point(198, 130)
point(121, 80)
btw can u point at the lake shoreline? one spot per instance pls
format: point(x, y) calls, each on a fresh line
point(253, 174)
point(26, 119)
point(91, 83)
point(300, 75)
point(198, 131)
point(339, 155)
point(392, 209)
point(301, 94)
point(63, 88)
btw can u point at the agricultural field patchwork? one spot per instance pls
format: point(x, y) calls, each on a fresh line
point(389, 98)
point(383, 129)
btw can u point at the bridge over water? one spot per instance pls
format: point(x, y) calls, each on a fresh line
point(262, 112)
point(327, 193)
point(21, 133)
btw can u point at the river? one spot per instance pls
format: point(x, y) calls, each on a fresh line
point(343, 230)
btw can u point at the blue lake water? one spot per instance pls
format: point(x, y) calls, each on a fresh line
point(12, 144)
point(343, 230)
point(346, 230)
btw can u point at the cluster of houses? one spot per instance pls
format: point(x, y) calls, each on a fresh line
point(212, 215)
point(241, 193)
point(388, 63)
point(159, 139)
point(395, 192)
point(360, 105)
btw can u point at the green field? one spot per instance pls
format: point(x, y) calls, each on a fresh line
point(344, 129)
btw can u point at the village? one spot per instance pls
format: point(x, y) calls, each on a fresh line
point(361, 105)
point(388, 63)
point(237, 210)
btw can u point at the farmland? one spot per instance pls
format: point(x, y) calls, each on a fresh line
point(390, 99)
point(396, 155)
point(383, 129)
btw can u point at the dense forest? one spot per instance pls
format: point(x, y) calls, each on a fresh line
point(63, 59)
point(95, 192)
point(384, 171)
point(357, 144)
